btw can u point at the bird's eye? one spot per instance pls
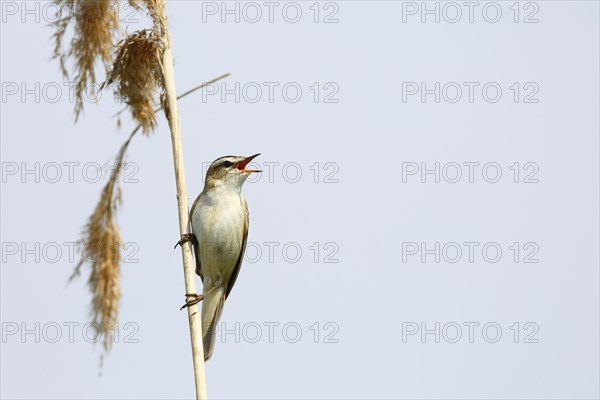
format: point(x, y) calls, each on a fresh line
point(227, 164)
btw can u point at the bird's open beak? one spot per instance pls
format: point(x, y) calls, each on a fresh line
point(242, 164)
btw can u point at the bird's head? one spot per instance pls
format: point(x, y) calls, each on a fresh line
point(229, 170)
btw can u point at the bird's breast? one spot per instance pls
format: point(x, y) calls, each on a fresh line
point(218, 221)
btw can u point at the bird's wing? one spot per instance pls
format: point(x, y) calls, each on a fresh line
point(196, 246)
point(238, 264)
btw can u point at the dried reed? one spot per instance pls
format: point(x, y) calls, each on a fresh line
point(142, 67)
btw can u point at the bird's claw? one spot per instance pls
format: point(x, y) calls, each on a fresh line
point(197, 298)
point(186, 237)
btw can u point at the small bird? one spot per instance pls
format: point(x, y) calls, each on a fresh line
point(219, 219)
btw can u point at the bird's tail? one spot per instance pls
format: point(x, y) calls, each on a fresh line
point(212, 307)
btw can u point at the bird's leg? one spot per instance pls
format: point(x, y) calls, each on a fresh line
point(187, 237)
point(197, 298)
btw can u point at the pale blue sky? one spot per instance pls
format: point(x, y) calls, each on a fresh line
point(356, 137)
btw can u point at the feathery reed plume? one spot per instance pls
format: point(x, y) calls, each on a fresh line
point(100, 246)
point(137, 71)
point(95, 28)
